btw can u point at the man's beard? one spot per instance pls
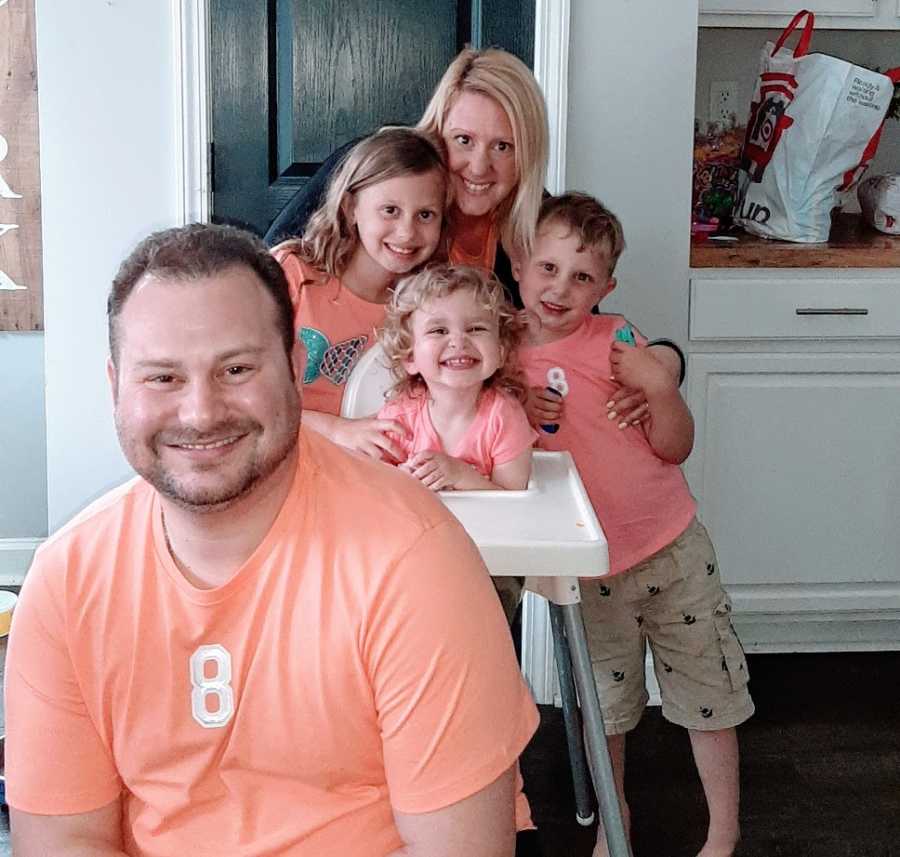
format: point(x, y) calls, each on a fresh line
point(259, 465)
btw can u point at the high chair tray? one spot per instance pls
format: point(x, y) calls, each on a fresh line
point(547, 530)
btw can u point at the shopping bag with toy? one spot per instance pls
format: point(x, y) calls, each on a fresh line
point(814, 125)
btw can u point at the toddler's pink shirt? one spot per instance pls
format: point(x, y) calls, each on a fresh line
point(643, 502)
point(497, 435)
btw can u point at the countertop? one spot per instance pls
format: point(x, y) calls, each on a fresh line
point(852, 244)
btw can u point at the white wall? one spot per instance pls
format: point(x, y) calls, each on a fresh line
point(108, 176)
point(627, 73)
point(23, 467)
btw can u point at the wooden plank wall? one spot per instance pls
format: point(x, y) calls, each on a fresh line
point(21, 304)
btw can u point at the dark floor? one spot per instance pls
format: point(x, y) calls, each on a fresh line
point(820, 768)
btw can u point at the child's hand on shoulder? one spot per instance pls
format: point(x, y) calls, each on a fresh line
point(635, 367)
point(436, 470)
point(543, 407)
point(370, 436)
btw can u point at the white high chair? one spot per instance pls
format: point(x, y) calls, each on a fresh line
point(549, 534)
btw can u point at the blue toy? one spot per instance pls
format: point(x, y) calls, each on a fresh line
point(551, 428)
point(626, 334)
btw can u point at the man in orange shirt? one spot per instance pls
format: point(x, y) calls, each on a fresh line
point(239, 652)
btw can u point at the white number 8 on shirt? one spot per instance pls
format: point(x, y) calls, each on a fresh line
point(218, 685)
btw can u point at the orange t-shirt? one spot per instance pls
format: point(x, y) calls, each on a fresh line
point(358, 662)
point(499, 433)
point(335, 325)
point(642, 502)
point(488, 255)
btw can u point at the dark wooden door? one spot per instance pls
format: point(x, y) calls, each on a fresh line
point(291, 80)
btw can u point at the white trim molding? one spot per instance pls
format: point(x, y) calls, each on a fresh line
point(538, 663)
point(191, 35)
point(15, 557)
point(551, 68)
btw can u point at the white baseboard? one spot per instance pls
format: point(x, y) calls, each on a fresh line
point(15, 557)
point(859, 627)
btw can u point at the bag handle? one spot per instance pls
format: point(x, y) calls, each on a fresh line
point(805, 36)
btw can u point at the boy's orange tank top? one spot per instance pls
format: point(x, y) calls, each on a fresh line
point(335, 325)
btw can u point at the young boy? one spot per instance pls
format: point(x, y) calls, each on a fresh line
point(664, 582)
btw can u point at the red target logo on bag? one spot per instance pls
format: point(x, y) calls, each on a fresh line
point(768, 121)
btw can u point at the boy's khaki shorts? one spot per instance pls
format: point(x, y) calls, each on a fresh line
point(674, 600)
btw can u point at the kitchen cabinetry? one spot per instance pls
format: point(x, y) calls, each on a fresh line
point(794, 383)
point(860, 8)
point(830, 14)
point(797, 457)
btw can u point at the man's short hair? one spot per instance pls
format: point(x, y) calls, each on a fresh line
point(594, 224)
point(194, 251)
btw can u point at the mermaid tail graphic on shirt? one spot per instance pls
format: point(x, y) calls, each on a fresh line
point(334, 362)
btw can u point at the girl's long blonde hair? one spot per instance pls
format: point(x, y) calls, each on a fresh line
point(330, 238)
point(505, 78)
point(440, 281)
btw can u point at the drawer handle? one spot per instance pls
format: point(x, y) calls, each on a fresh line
point(842, 310)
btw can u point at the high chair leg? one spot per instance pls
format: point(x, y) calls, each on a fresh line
point(584, 801)
point(597, 750)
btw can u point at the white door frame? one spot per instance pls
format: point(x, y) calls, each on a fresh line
point(190, 20)
point(551, 67)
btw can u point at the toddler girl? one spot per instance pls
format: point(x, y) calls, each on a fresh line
point(449, 336)
point(382, 217)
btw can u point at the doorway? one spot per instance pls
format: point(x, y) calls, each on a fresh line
point(290, 81)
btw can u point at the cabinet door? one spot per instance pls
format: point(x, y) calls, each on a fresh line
point(789, 7)
point(797, 470)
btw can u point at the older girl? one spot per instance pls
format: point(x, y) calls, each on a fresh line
point(382, 217)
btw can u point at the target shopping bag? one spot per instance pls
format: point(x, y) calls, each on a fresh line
point(814, 125)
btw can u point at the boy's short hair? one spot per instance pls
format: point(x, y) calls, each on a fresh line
point(589, 218)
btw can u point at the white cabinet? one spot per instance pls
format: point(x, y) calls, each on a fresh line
point(830, 14)
point(790, 7)
point(797, 457)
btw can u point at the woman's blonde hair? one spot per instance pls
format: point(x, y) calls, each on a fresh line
point(330, 237)
point(440, 281)
point(505, 78)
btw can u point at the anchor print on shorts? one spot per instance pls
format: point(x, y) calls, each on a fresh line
point(334, 362)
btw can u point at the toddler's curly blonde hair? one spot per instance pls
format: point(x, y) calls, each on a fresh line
point(440, 281)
